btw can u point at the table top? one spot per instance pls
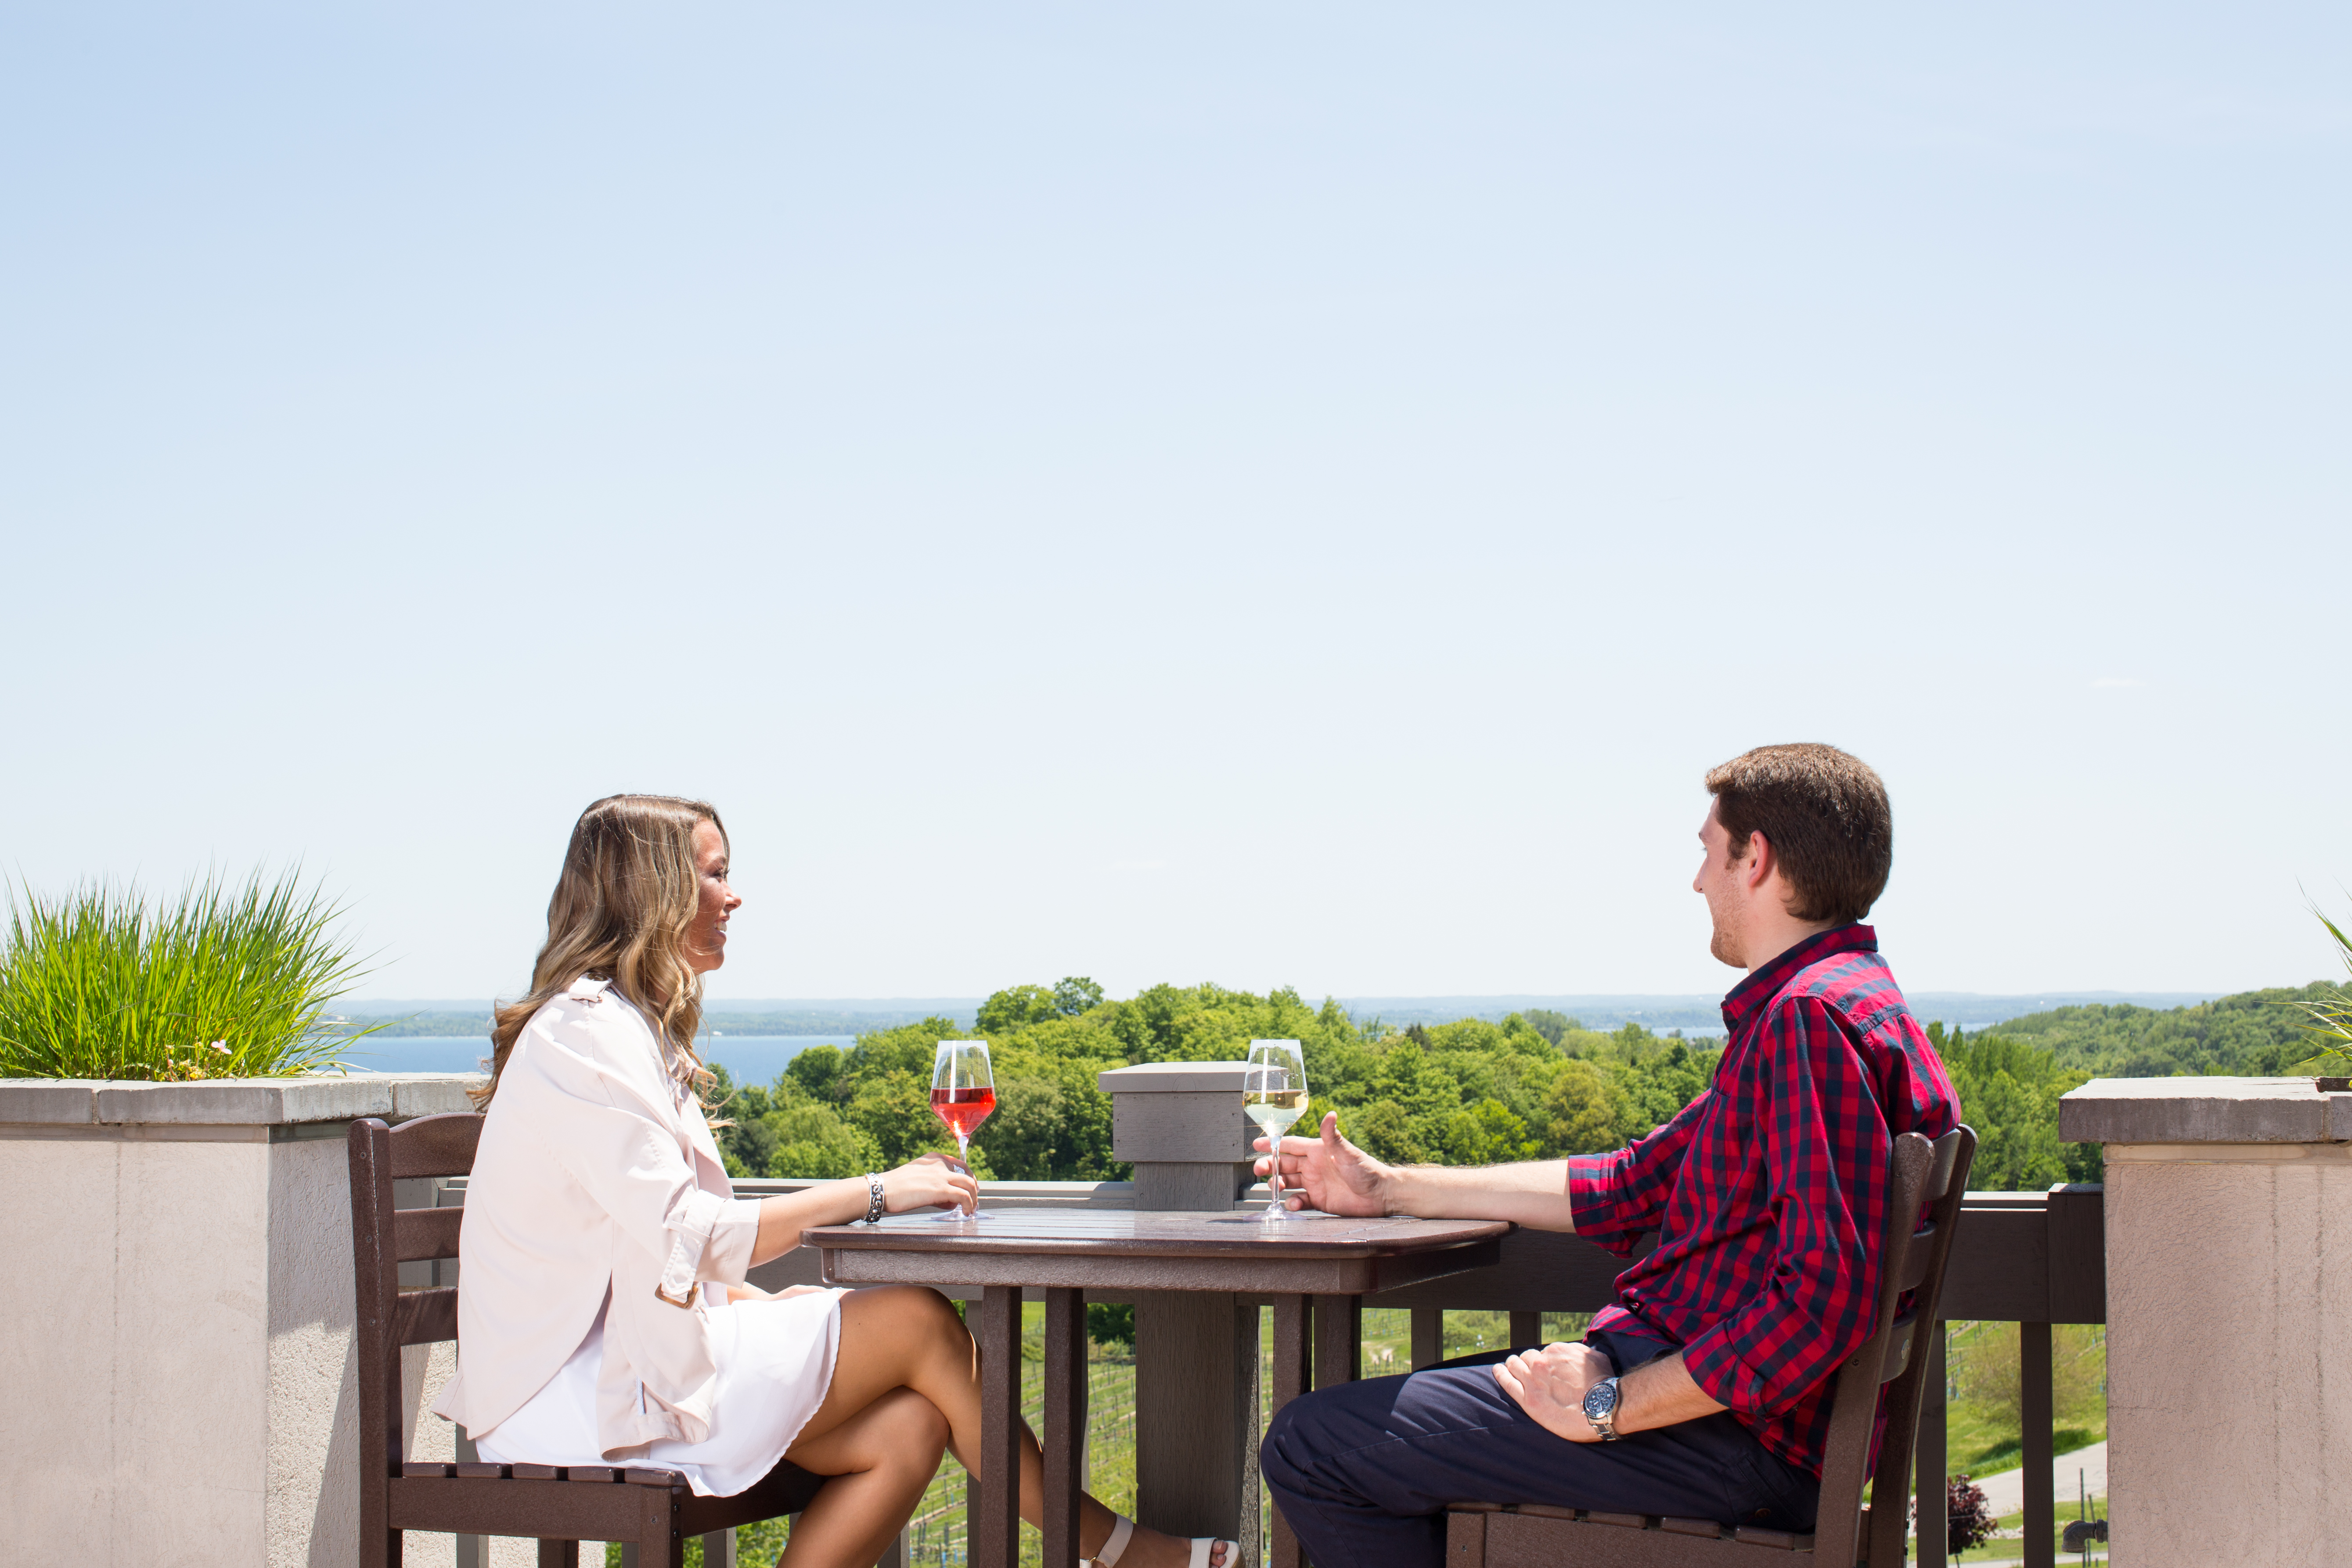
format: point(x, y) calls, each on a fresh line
point(1126, 1250)
point(1150, 1232)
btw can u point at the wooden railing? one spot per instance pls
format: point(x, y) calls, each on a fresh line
point(2032, 1258)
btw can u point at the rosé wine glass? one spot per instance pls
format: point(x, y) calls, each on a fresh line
point(963, 1093)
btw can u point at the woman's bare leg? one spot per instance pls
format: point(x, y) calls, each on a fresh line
point(879, 1459)
point(906, 1336)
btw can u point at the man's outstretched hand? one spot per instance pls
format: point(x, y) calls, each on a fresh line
point(1329, 1172)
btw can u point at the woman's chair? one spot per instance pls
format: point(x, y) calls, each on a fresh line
point(653, 1509)
point(1921, 1176)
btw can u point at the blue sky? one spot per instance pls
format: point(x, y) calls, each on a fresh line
point(1285, 494)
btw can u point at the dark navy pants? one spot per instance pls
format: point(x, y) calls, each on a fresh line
point(1364, 1471)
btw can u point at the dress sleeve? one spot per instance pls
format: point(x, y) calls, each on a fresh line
point(1617, 1197)
point(595, 1122)
point(1824, 1174)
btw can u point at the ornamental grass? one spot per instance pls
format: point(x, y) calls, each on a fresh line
point(225, 982)
point(2331, 1016)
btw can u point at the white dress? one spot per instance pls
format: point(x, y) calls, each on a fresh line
point(775, 1364)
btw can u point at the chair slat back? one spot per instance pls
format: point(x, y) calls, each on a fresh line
point(382, 1239)
point(421, 1234)
point(1922, 1176)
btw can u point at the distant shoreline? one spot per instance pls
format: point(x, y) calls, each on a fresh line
point(821, 1018)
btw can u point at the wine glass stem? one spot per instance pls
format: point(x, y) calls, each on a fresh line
point(1274, 1184)
point(963, 1156)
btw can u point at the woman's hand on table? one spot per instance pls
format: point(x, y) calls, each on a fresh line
point(1331, 1173)
point(930, 1181)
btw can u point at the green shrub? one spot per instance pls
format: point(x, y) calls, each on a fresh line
point(222, 984)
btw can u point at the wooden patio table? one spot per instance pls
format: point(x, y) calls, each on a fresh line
point(1066, 1252)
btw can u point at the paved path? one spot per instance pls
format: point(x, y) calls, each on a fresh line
point(2069, 1473)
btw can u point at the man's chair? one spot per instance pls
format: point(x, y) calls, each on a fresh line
point(653, 1509)
point(1920, 1175)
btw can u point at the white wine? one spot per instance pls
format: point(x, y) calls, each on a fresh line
point(1275, 1111)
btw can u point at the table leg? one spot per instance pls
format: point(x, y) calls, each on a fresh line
point(1066, 1420)
point(1290, 1380)
point(998, 1544)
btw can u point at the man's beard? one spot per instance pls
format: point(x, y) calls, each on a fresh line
point(1719, 943)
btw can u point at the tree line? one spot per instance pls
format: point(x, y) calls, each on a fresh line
point(1535, 1084)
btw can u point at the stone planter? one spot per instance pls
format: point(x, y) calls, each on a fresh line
point(177, 1321)
point(2228, 1235)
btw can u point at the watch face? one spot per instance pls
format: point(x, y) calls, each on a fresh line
point(1600, 1399)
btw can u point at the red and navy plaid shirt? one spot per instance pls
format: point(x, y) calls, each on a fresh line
point(1768, 1190)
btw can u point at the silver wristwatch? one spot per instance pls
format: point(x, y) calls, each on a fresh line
point(875, 1207)
point(1601, 1408)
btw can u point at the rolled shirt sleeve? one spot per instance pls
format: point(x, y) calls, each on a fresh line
point(726, 1253)
point(1618, 1196)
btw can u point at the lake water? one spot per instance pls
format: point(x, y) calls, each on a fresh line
point(748, 1058)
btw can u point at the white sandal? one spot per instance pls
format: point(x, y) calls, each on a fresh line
point(1201, 1546)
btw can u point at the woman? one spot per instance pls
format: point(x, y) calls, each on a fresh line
point(604, 1316)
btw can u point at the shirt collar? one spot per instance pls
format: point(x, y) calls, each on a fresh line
point(1750, 995)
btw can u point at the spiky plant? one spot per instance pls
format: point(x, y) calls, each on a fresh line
point(226, 982)
point(2331, 1016)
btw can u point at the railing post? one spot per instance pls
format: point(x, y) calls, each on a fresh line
point(1428, 1336)
point(2034, 1379)
point(1927, 1459)
point(1338, 1340)
point(718, 1548)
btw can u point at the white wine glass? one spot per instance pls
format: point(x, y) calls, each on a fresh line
point(1274, 1095)
point(963, 1094)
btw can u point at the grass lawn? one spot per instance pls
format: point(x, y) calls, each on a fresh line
point(2010, 1548)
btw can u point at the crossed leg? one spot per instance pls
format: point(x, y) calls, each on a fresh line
point(898, 1340)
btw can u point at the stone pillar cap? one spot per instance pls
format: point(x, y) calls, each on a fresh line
point(1173, 1078)
point(234, 1102)
point(2204, 1110)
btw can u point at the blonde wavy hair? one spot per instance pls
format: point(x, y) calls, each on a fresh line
point(622, 910)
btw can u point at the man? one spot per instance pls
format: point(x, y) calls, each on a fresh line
point(1704, 1391)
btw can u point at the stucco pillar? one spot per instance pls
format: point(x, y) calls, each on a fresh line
point(176, 1318)
point(2228, 1285)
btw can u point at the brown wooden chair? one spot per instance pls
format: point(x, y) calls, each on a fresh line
point(653, 1509)
point(1920, 1175)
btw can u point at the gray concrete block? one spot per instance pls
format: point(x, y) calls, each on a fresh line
point(432, 1094)
point(2200, 1110)
point(49, 1102)
point(2339, 1118)
point(1172, 1078)
point(246, 1100)
point(1183, 1127)
point(1208, 1185)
